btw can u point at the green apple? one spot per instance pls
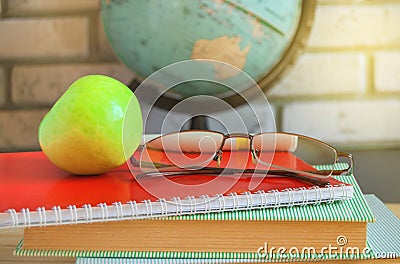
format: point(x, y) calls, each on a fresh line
point(93, 127)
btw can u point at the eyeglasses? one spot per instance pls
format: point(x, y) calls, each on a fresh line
point(272, 154)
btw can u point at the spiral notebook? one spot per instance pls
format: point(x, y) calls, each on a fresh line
point(33, 192)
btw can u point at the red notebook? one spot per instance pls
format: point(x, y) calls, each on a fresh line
point(35, 192)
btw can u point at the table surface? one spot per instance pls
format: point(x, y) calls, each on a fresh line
point(10, 237)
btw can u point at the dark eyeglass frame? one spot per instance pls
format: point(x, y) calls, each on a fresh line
point(318, 177)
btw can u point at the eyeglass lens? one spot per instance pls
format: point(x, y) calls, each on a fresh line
point(190, 149)
point(184, 149)
point(293, 151)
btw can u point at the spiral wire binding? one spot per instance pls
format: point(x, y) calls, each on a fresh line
point(42, 216)
point(277, 197)
point(207, 205)
point(119, 209)
point(134, 208)
point(89, 212)
point(345, 195)
point(318, 195)
point(290, 193)
point(249, 199)
point(331, 194)
point(193, 204)
point(58, 215)
point(218, 203)
point(164, 206)
point(104, 211)
point(261, 193)
point(304, 194)
point(180, 205)
point(14, 217)
point(175, 202)
point(265, 194)
point(149, 208)
point(234, 195)
point(74, 214)
point(27, 217)
point(221, 202)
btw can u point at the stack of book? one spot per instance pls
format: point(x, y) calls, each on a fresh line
point(110, 218)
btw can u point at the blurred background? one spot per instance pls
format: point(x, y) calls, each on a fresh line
point(344, 89)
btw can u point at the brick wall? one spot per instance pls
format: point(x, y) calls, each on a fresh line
point(344, 89)
point(44, 46)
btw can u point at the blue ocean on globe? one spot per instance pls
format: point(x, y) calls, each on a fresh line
point(250, 35)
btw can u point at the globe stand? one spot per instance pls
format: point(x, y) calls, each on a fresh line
point(199, 123)
point(196, 123)
point(134, 84)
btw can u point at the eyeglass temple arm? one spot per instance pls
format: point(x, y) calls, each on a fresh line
point(134, 162)
point(226, 171)
point(175, 170)
point(347, 170)
point(164, 168)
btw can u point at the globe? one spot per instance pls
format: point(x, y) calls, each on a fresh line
point(254, 36)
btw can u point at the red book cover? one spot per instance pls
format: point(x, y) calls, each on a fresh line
point(30, 180)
